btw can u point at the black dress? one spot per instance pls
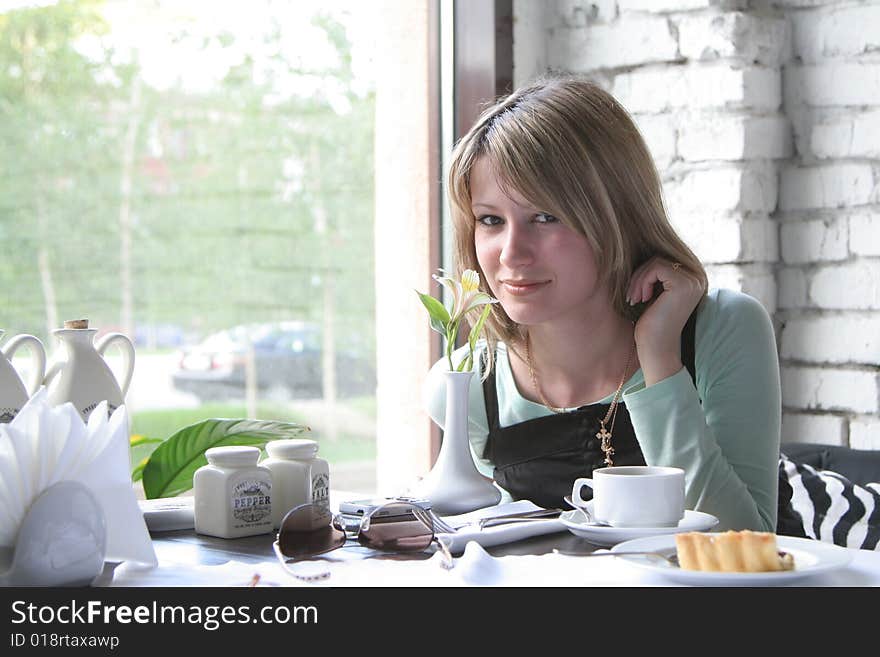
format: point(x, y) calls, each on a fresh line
point(539, 459)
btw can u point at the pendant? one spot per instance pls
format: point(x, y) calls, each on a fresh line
point(605, 443)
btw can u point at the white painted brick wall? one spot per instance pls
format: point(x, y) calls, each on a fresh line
point(854, 285)
point(667, 6)
point(736, 36)
point(699, 86)
point(813, 240)
point(839, 339)
point(836, 32)
point(578, 13)
point(848, 135)
point(723, 189)
point(703, 137)
point(813, 388)
point(756, 280)
point(864, 433)
point(864, 233)
point(529, 41)
point(797, 4)
point(792, 284)
point(827, 186)
point(718, 238)
point(625, 42)
point(811, 428)
point(843, 83)
point(781, 200)
point(660, 134)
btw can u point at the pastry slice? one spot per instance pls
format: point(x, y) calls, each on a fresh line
point(732, 551)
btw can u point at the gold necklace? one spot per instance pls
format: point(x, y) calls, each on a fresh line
point(604, 434)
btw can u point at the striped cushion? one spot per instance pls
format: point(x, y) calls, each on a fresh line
point(827, 506)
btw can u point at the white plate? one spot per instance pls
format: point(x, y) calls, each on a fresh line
point(604, 536)
point(810, 558)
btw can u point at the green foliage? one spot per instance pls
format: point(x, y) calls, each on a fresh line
point(436, 311)
point(249, 200)
point(169, 470)
point(55, 141)
point(347, 448)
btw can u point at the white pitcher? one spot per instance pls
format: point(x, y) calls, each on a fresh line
point(80, 375)
point(13, 393)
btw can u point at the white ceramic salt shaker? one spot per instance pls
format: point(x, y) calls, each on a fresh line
point(299, 476)
point(233, 495)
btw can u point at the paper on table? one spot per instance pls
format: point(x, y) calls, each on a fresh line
point(168, 513)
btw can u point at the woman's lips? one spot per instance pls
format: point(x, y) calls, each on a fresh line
point(521, 288)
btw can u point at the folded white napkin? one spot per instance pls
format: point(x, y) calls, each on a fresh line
point(45, 444)
point(468, 528)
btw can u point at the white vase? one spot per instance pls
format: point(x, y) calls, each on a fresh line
point(13, 393)
point(454, 485)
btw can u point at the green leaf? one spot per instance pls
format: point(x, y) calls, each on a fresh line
point(478, 327)
point(438, 326)
point(437, 311)
point(451, 336)
point(137, 440)
point(138, 471)
point(140, 454)
point(170, 469)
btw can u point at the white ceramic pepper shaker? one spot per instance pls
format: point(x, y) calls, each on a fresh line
point(299, 476)
point(233, 495)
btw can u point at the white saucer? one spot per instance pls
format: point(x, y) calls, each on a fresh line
point(605, 536)
point(810, 558)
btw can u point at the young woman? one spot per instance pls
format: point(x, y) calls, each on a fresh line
point(606, 346)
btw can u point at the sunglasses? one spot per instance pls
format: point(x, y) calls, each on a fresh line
point(310, 530)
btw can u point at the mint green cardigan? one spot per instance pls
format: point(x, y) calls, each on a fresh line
point(728, 446)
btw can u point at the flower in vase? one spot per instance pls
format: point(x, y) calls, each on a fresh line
point(466, 298)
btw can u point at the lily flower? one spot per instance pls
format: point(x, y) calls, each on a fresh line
point(466, 297)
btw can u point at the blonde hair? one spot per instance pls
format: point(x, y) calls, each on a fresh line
point(569, 148)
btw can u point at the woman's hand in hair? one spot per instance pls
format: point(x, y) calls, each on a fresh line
point(672, 293)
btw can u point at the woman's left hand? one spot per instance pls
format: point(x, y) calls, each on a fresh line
point(658, 330)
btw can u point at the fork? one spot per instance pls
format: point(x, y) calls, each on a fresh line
point(442, 525)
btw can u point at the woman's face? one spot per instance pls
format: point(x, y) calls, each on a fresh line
point(536, 266)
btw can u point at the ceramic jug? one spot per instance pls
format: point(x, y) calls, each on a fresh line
point(13, 393)
point(79, 374)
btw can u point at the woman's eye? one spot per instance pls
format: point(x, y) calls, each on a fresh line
point(489, 220)
point(544, 218)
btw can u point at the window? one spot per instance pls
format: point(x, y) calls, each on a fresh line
point(200, 177)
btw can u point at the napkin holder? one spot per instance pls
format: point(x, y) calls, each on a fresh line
point(62, 540)
point(48, 453)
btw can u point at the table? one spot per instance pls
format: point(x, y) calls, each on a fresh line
point(190, 559)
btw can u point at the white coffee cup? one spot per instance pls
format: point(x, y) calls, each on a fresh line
point(634, 495)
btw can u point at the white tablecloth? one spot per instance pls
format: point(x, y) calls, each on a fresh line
point(475, 567)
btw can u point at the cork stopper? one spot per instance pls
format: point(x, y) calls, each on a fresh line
point(76, 324)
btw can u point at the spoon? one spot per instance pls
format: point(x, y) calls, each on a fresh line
point(671, 560)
